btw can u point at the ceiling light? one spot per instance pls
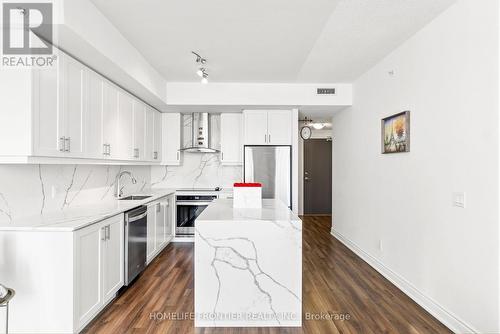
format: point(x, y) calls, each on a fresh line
point(204, 80)
point(200, 72)
point(199, 59)
point(318, 126)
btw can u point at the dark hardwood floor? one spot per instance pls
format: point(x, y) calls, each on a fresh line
point(336, 282)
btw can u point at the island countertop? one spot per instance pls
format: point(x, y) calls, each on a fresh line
point(248, 266)
point(221, 210)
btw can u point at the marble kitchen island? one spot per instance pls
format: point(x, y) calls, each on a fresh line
point(248, 266)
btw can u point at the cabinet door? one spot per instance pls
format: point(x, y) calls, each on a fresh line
point(93, 137)
point(88, 263)
point(171, 143)
point(157, 136)
point(160, 225)
point(279, 124)
point(255, 127)
point(48, 112)
point(150, 137)
point(110, 119)
point(139, 130)
point(151, 232)
point(230, 139)
point(113, 254)
point(125, 149)
point(75, 104)
point(170, 216)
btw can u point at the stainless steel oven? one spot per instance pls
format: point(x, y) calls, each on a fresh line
point(189, 207)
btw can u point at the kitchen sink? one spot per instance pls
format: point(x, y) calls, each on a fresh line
point(134, 198)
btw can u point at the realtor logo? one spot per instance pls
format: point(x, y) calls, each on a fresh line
point(24, 24)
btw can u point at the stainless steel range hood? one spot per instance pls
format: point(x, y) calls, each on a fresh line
point(201, 135)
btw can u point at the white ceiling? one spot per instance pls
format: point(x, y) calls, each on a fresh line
point(268, 40)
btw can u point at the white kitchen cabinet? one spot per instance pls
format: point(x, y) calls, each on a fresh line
point(88, 264)
point(94, 128)
point(159, 225)
point(171, 143)
point(150, 134)
point(70, 112)
point(114, 257)
point(151, 232)
point(99, 263)
point(139, 123)
point(231, 126)
point(110, 120)
point(268, 127)
point(157, 152)
point(125, 130)
point(255, 127)
point(74, 85)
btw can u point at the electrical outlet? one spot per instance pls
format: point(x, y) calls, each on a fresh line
point(459, 199)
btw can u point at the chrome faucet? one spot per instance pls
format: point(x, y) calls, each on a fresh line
point(118, 189)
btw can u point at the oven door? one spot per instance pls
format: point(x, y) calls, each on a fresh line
point(187, 212)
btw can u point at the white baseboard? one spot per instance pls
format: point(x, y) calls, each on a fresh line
point(447, 318)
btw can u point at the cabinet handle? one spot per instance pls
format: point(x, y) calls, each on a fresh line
point(222, 156)
point(109, 149)
point(103, 237)
point(104, 149)
point(155, 155)
point(62, 142)
point(68, 148)
point(178, 158)
point(108, 234)
point(158, 209)
point(136, 153)
point(265, 138)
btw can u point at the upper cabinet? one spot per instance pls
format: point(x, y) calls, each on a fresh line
point(71, 112)
point(231, 143)
point(171, 143)
point(268, 127)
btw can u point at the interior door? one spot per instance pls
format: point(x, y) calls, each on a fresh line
point(113, 269)
point(255, 127)
point(75, 101)
point(279, 124)
point(139, 130)
point(94, 126)
point(317, 177)
point(110, 119)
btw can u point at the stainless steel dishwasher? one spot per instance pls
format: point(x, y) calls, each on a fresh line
point(135, 242)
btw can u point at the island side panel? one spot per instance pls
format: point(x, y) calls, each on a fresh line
point(248, 274)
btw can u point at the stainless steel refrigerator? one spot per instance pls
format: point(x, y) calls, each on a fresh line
point(271, 166)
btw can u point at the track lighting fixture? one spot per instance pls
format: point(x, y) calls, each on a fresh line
point(201, 71)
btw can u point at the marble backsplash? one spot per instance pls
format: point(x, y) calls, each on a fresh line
point(27, 190)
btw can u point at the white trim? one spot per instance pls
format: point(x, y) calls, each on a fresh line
point(450, 320)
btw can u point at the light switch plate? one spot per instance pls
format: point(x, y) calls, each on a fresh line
point(459, 199)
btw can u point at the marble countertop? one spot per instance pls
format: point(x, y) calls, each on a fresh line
point(81, 216)
point(221, 210)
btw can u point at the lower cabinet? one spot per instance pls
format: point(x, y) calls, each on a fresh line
point(99, 267)
point(160, 225)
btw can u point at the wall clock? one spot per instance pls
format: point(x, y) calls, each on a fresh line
point(305, 132)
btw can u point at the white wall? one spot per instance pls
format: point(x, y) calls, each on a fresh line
point(253, 94)
point(396, 210)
